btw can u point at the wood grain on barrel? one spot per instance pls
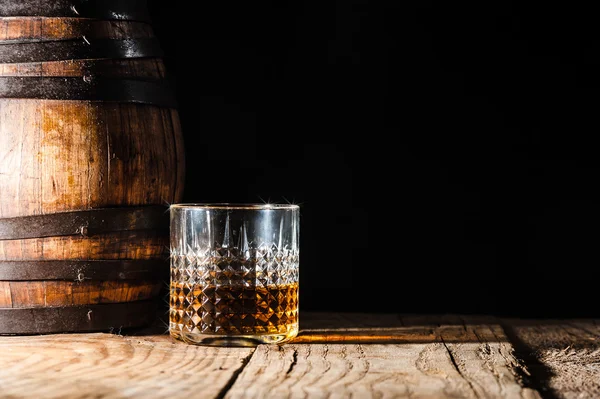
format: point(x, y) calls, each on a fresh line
point(142, 68)
point(70, 155)
point(28, 294)
point(124, 245)
point(64, 155)
point(119, 245)
point(73, 28)
point(44, 28)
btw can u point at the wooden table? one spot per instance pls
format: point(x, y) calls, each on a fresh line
point(335, 356)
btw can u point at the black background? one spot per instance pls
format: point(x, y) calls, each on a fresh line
point(443, 153)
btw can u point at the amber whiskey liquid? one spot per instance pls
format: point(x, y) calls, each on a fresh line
point(264, 314)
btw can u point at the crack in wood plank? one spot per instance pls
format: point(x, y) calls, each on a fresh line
point(456, 366)
point(223, 392)
point(294, 362)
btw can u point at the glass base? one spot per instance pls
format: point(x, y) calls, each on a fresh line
point(234, 340)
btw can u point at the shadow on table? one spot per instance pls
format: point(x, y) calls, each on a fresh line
point(360, 328)
point(372, 328)
point(367, 328)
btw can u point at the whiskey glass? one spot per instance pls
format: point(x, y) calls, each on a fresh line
point(234, 273)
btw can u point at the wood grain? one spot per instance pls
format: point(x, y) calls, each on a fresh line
point(335, 356)
point(466, 359)
point(34, 294)
point(69, 155)
point(47, 29)
point(95, 365)
point(119, 245)
point(60, 156)
point(27, 28)
point(564, 355)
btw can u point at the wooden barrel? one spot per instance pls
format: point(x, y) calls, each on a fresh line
point(91, 154)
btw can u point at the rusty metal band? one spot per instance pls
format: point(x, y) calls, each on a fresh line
point(158, 93)
point(77, 49)
point(106, 317)
point(120, 10)
point(85, 223)
point(84, 270)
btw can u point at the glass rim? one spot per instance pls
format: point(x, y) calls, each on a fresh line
point(233, 206)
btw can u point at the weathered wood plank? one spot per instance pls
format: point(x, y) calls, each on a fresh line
point(564, 355)
point(111, 366)
point(386, 356)
point(484, 357)
point(335, 355)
